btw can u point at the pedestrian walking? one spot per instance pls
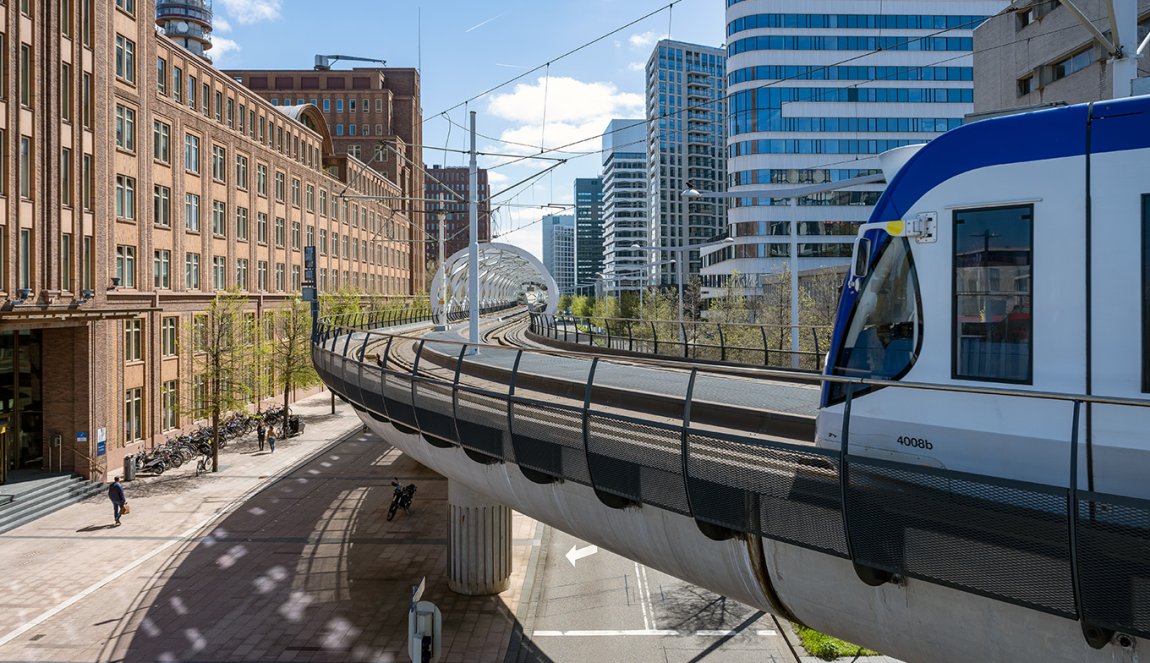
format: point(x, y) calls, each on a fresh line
point(272, 441)
point(261, 433)
point(119, 501)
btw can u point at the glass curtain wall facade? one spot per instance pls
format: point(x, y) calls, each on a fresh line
point(559, 250)
point(624, 205)
point(815, 98)
point(685, 142)
point(588, 233)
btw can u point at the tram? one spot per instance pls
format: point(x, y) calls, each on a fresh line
point(1010, 254)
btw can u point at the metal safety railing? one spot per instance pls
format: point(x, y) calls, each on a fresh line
point(737, 343)
point(699, 451)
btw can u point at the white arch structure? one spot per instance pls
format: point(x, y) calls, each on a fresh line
point(505, 272)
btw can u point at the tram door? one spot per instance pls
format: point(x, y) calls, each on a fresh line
point(1119, 435)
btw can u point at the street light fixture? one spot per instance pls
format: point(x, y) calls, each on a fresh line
point(679, 263)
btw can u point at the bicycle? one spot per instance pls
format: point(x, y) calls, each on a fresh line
point(204, 465)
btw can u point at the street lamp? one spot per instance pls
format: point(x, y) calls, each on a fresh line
point(679, 262)
point(797, 192)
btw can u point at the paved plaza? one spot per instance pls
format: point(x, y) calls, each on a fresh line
point(279, 557)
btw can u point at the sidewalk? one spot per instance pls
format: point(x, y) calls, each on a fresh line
point(279, 557)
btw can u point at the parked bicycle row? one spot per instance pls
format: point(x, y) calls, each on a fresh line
point(184, 448)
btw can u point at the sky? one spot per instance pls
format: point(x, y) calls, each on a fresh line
point(464, 48)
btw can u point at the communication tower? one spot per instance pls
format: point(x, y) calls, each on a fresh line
point(188, 23)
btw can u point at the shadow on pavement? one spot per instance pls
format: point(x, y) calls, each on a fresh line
point(96, 528)
point(309, 569)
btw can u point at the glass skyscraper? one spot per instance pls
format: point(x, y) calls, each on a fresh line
point(588, 232)
point(559, 250)
point(814, 98)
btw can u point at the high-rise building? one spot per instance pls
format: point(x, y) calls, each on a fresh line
point(559, 250)
point(685, 149)
point(624, 205)
point(815, 92)
point(588, 233)
point(1040, 54)
point(101, 284)
point(451, 186)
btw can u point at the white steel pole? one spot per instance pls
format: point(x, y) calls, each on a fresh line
point(794, 293)
point(1124, 19)
point(441, 217)
point(473, 244)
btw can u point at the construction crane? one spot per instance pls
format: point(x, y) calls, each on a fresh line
point(323, 62)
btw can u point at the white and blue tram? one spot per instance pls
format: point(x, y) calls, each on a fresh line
point(1009, 253)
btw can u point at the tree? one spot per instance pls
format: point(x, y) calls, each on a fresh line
point(221, 362)
point(345, 299)
point(291, 350)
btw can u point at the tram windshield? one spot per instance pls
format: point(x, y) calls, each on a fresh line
point(884, 331)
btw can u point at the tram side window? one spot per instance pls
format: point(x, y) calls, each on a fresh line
point(1146, 292)
point(993, 257)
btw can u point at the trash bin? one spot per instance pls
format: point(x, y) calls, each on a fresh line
point(129, 467)
point(295, 426)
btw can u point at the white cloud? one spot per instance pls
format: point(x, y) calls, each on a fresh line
point(221, 46)
point(563, 100)
point(252, 11)
point(644, 39)
point(220, 24)
point(636, 66)
point(495, 177)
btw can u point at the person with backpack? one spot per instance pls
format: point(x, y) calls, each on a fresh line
point(119, 500)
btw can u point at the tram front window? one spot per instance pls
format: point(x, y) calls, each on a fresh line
point(884, 329)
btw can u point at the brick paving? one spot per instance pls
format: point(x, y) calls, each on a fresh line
point(279, 557)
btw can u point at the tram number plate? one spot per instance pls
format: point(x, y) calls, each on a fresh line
point(916, 442)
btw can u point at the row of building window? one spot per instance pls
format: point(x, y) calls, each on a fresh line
point(364, 105)
point(825, 199)
point(221, 105)
point(775, 97)
point(126, 269)
point(847, 73)
point(827, 43)
point(779, 250)
point(795, 175)
point(855, 22)
point(773, 120)
point(815, 146)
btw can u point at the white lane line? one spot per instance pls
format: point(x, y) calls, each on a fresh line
point(644, 598)
point(647, 631)
point(36, 621)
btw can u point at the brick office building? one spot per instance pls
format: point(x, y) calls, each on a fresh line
point(452, 185)
point(136, 181)
point(373, 114)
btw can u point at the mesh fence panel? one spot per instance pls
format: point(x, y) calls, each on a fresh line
point(641, 461)
point(780, 492)
point(998, 538)
point(482, 418)
point(397, 397)
point(549, 438)
point(433, 409)
point(1114, 562)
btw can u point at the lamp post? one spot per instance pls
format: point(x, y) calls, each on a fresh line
point(793, 193)
point(679, 261)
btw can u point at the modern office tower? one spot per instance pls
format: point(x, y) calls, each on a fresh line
point(451, 186)
point(624, 205)
point(139, 182)
point(815, 92)
point(1039, 54)
point(588, 233)
point(685, 149)
point(559, 250)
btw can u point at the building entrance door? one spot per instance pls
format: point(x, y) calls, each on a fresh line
point(21, 401)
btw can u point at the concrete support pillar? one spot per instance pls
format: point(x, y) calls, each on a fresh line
point(478, 542)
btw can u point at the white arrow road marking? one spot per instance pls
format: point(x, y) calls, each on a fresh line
point(577, 553)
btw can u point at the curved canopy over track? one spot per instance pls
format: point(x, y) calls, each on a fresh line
point(505, 273)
